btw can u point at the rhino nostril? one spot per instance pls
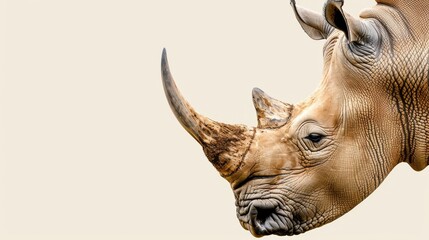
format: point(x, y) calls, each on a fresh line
point(263, 214)
point(262, 219)
point(267, 218)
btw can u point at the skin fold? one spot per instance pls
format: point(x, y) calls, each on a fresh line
point(307, 164)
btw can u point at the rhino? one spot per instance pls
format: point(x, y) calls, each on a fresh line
point(307, 164)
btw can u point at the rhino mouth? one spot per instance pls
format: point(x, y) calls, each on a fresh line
point(271, 216)
point(266, 217)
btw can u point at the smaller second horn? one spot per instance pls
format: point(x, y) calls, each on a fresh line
point(271, 112)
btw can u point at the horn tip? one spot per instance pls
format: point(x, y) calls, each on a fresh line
point(164, 61)
point(165, 69)
point(257, 91)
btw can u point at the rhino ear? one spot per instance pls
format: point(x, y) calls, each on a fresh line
point(314, 24)
point(354, 29)
point(271, 113)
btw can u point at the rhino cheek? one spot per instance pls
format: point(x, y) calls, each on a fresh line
point(344, 181)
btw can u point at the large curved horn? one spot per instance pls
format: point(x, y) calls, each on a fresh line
point(225, 145)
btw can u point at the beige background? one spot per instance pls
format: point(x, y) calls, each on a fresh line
point(89, 148)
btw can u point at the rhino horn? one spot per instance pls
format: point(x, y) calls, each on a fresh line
point(314, 24)
point(271, 112)
point(354, 29)
point(225, 145)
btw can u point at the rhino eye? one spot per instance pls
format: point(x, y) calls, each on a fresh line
point(315, 137)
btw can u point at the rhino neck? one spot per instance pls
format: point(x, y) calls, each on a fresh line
point(409, 91)
point(414, 122)
point(404, 68)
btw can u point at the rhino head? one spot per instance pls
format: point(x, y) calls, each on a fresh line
point(307, 164)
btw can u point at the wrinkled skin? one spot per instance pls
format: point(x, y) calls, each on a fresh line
point(306, 165)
